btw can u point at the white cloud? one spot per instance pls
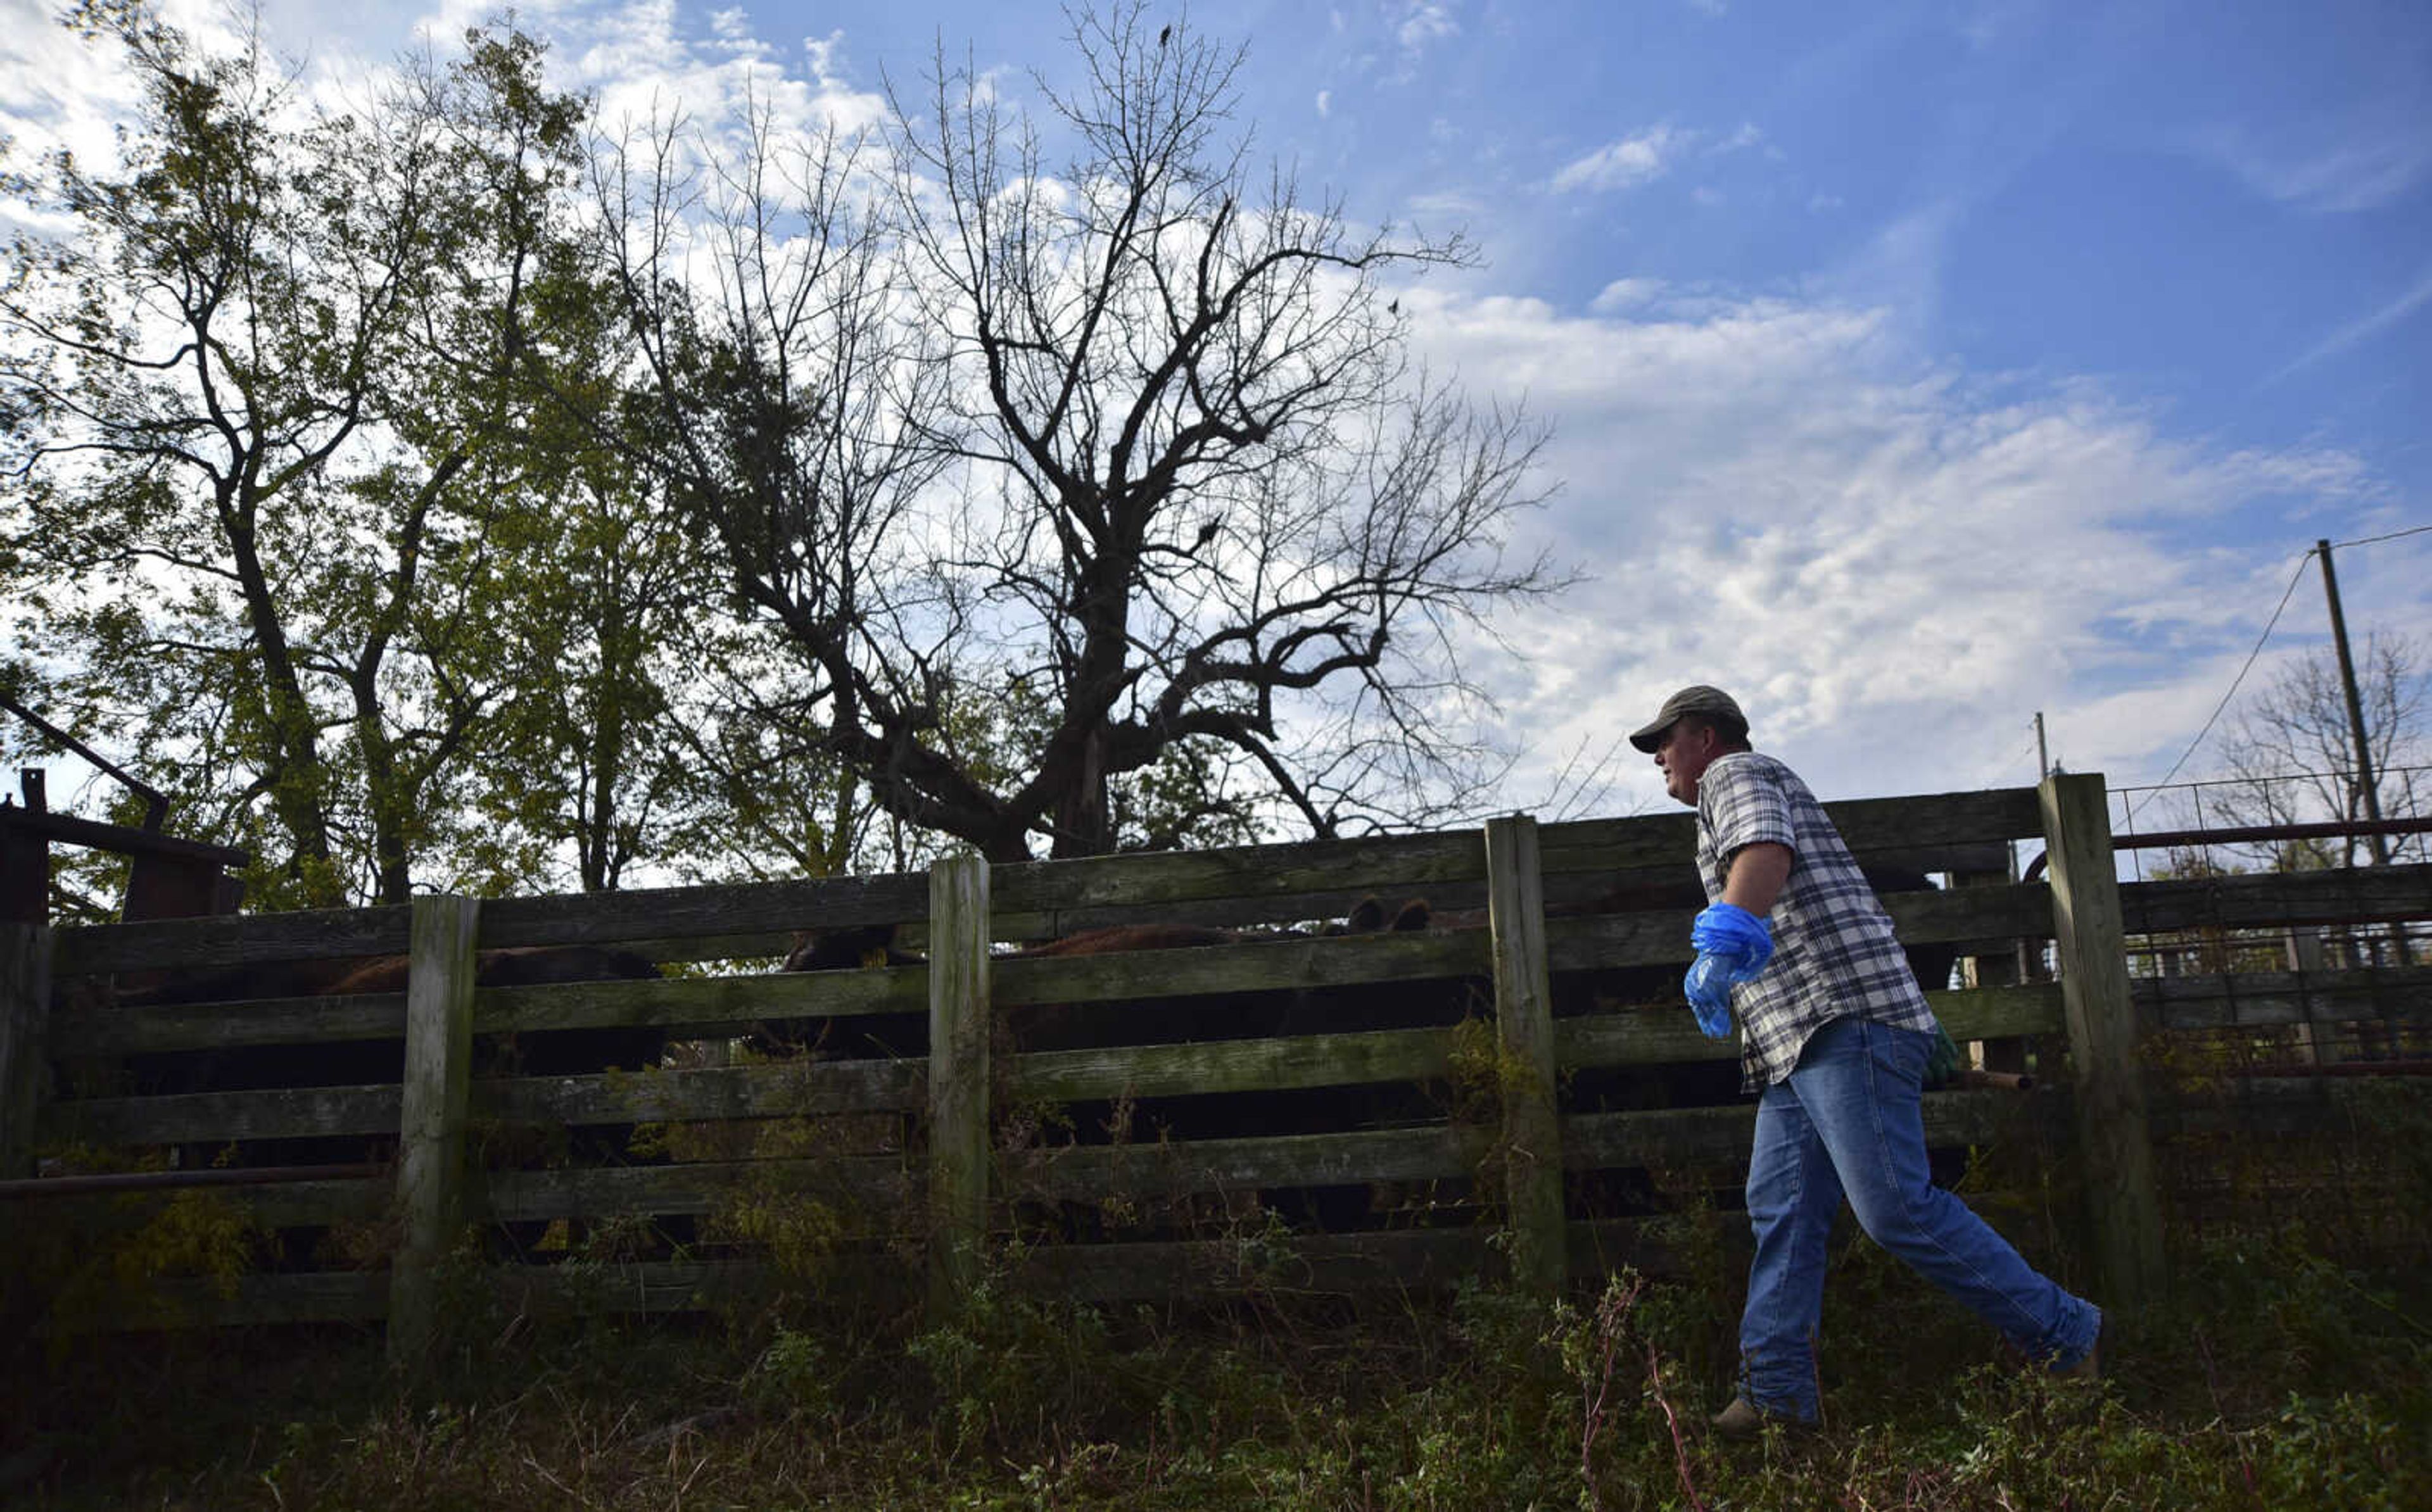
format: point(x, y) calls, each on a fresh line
point(1894, 566)
point(1424, 22)
point(1625, 293)
point(1641, 157)
point(1894, 569)
point(1746, 136)
point(641, 60)
point(1325, 102)
point(733, 26)
point(1646, 156)
point(58, 91)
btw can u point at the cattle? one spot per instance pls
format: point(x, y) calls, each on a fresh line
point(381, 1062)
point(1293, 1012)
point(1028, 1026)
point(552, 1053)
point(1149, 1021)
point(885, 1035)
point(1024, 1028)
point(362, 1063)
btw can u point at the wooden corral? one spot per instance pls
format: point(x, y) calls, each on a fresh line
point(1506, 1071)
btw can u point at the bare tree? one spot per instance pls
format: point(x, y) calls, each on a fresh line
point(789, 405)
point(2290, 757)
point(1099, 502)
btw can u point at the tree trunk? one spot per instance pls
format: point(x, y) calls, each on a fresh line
point(1083, 825)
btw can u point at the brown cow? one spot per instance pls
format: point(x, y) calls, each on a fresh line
point(363, 1063)
point(1034, 1026)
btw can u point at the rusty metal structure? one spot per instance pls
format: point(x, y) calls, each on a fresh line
point(168, 877)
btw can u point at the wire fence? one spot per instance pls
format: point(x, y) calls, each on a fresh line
point(2282, 801)
point(2343, 972)
point(2273, 902)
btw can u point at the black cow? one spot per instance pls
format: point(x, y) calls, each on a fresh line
point(378, 1062)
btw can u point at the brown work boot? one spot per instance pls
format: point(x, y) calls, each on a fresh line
point(2089, 1368)
point(1743, 1421)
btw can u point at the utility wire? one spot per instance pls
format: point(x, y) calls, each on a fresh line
point(2025, 755)
point(2293, 580)
point(2392, 536)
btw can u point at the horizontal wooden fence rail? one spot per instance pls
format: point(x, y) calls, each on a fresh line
point(1577, 944)
point(2365, 895)
point(862, 1129)
point(2267, 998)
point(1260, 881)
point(1722, 1136)
point(1663, 1038)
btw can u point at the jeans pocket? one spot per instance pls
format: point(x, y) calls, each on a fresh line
point(1899, 1052)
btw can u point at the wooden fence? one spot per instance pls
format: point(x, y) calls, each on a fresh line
point(842, 1171)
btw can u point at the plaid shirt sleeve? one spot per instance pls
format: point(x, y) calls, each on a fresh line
point(1834, 953)
point(1748, 806)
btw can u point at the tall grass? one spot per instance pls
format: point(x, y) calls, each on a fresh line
point(2272, 1377)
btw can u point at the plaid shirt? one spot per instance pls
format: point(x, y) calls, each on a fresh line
point(1834, 955)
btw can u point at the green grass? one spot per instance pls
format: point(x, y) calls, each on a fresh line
point(2272, 1378)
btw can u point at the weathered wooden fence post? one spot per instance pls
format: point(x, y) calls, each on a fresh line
point(24, 1014)
point(1524, 1019)
point(2002, 970)
point(958, 1079)
point(431, 1115)
point(2090, 944)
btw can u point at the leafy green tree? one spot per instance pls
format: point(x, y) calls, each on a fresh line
point(588, 756)
point(268, 401)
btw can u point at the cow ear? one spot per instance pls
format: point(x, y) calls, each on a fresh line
point(1413, 916)
point(1367, 919)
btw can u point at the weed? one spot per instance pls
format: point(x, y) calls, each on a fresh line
point(2276, 1375)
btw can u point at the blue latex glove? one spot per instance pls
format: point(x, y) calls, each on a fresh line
point(1709, 986)
point(1727, 929)
point(1733, 946)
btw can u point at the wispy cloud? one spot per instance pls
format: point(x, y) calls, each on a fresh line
point(1625, 293)
point(2370, 166)
point(1424, 22)
point(2355, 332)
point(1778, 495)
point(1646, 156)
point(1635, 159)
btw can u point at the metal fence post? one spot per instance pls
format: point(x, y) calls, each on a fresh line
point(432, 1108)
point(958, 1079)
point(2090, 943)
point(1533, 1130)
point(24, 1014)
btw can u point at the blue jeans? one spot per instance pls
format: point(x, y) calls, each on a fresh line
point(1846, 1119)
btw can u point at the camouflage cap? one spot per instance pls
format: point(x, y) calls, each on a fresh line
point(1700, 700)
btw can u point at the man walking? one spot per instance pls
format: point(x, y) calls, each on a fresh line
point(1834, 1038)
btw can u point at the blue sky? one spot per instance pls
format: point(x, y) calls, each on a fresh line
point(1914, 366)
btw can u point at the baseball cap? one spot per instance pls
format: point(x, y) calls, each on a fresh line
point(1698, 699)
